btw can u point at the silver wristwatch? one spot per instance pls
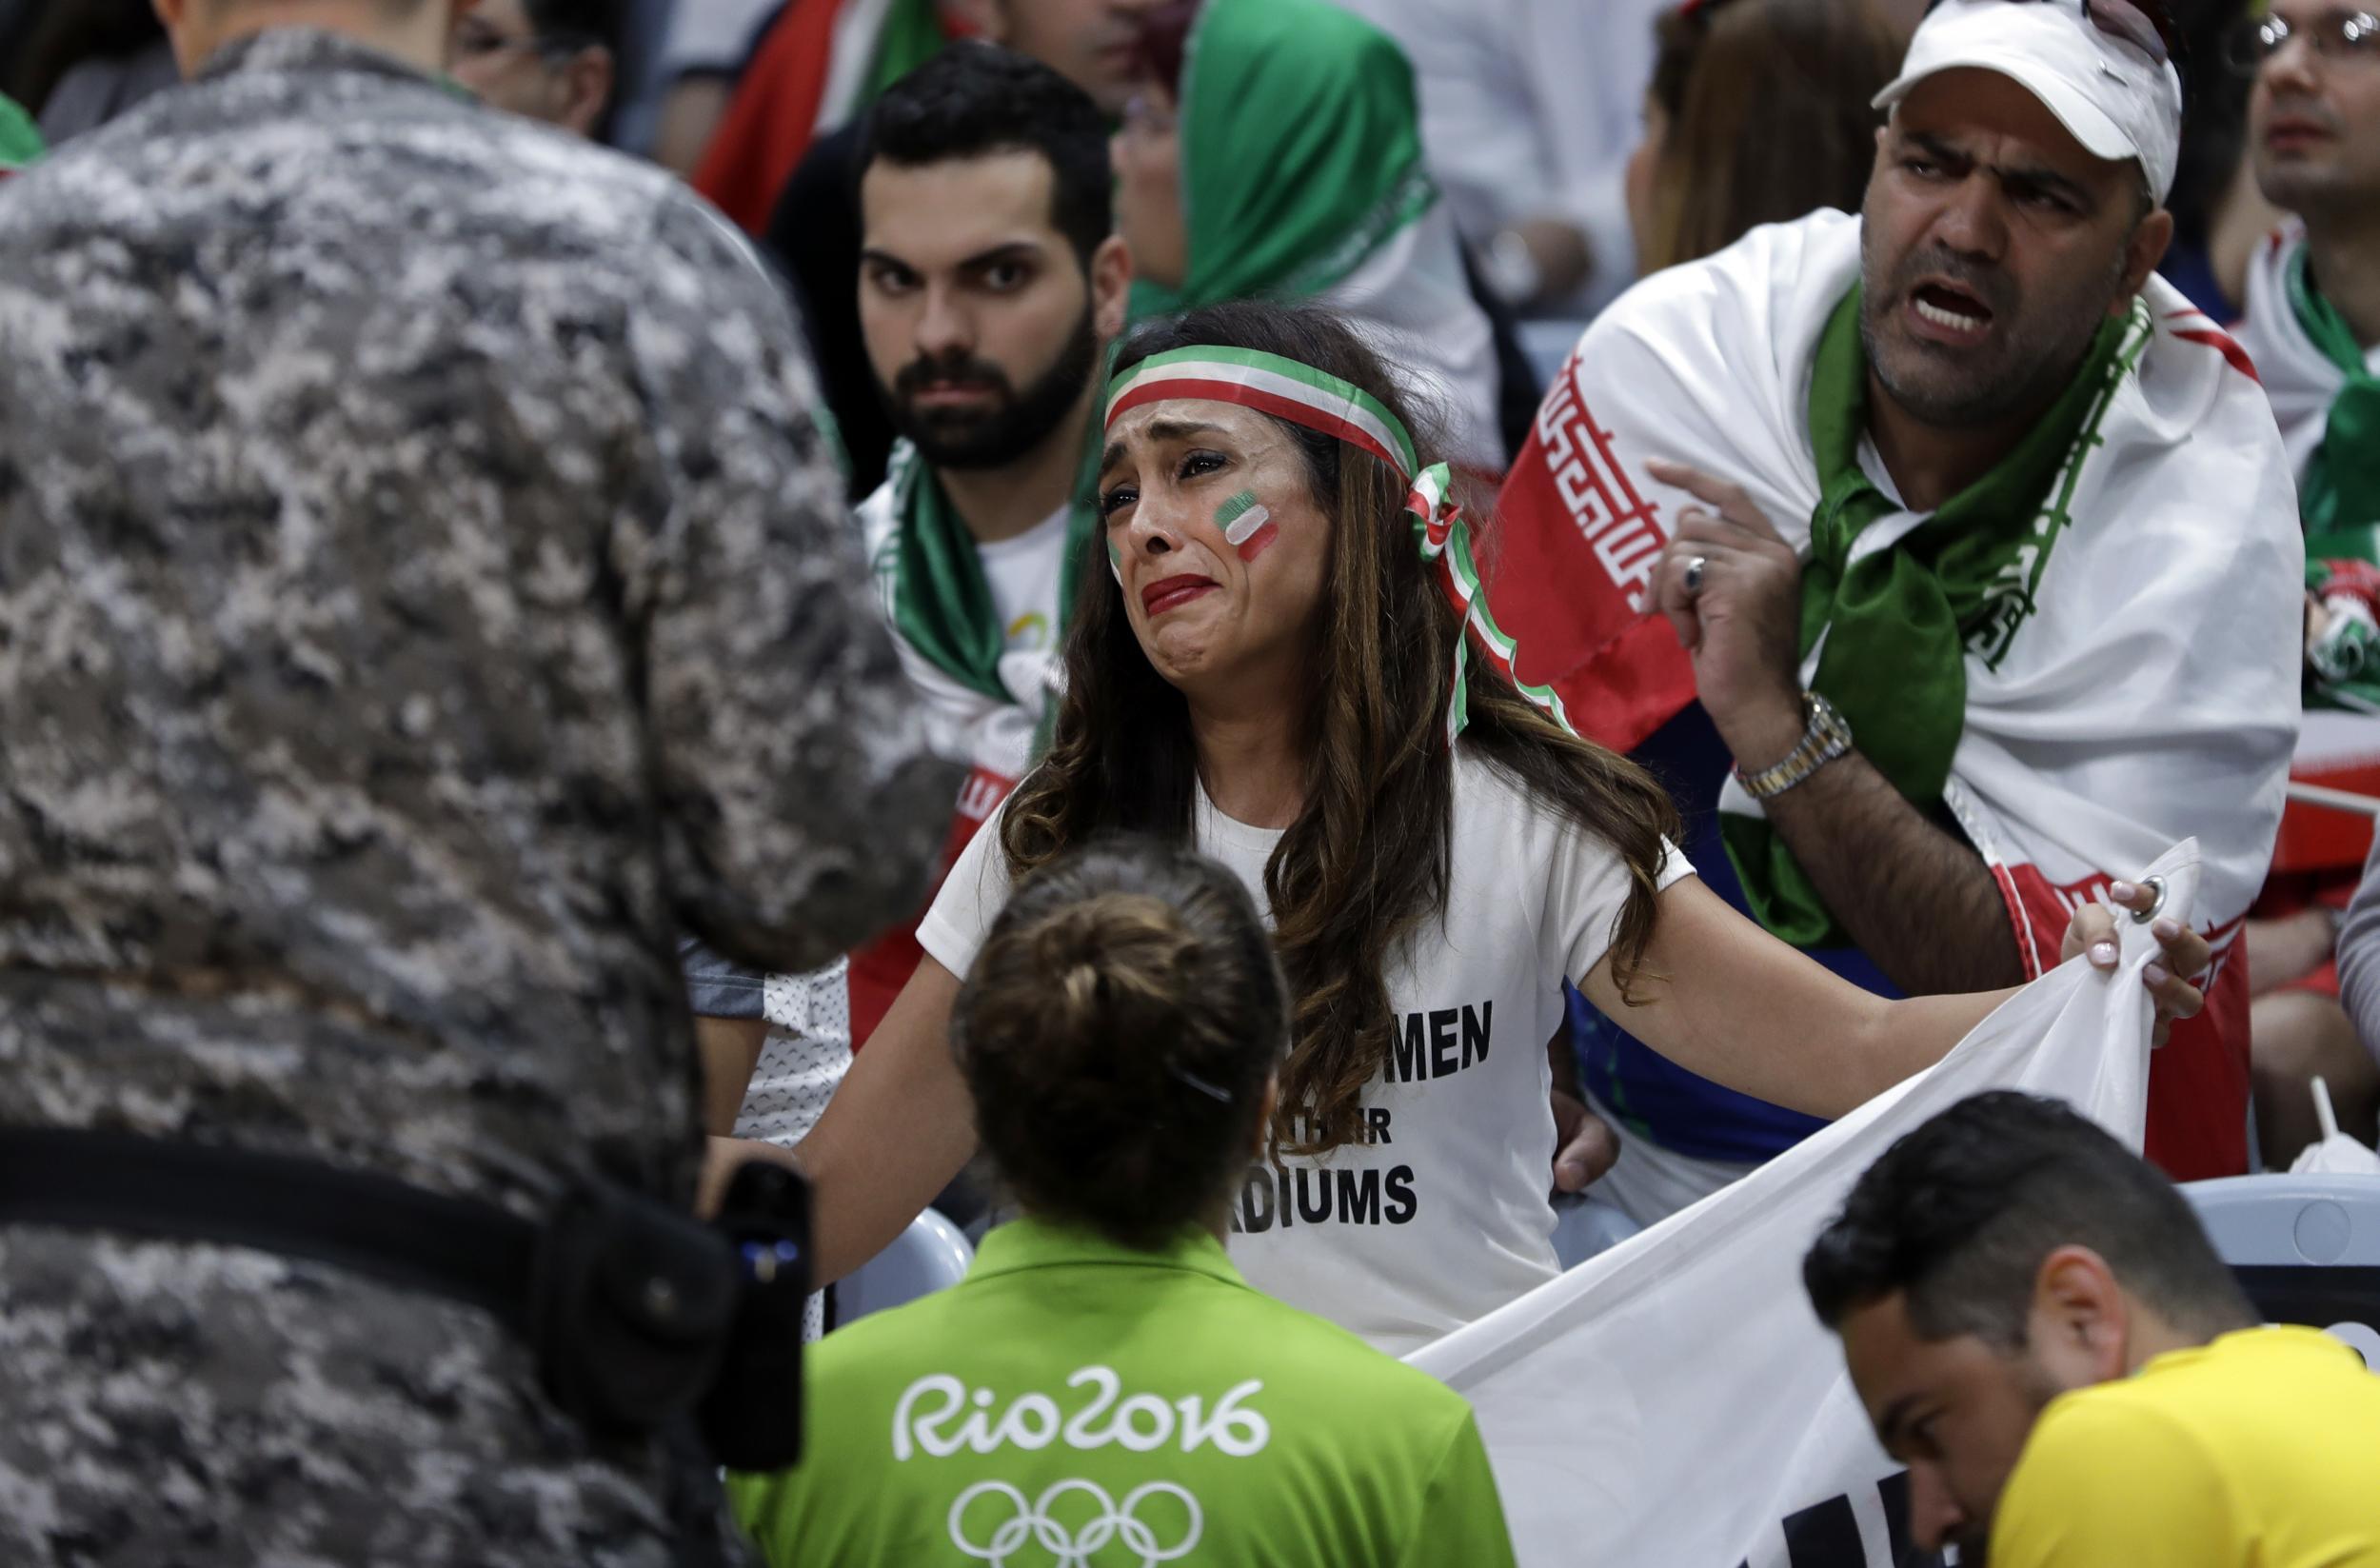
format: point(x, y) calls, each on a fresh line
point(1824, 737)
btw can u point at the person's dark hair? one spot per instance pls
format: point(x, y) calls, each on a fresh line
point(1117, 1031)
point(47, 42)
point(1365, 865)
point(579, 23)
point(976, 98)
point(1959, 1214)
point(1767, 103)
point(2214, 133)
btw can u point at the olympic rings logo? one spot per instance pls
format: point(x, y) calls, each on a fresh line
point(1071, 1546)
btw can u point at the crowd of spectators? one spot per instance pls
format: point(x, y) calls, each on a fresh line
point(560, 559)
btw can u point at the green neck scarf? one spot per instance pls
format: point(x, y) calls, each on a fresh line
point(1899, 622)
point(941, 602)
point(2341, 485)
point(1301, 153)
point(20, 139)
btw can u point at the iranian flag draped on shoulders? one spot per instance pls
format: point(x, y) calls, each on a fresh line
point(2131, 654)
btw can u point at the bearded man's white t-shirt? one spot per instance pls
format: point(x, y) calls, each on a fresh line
point(1440, 1215)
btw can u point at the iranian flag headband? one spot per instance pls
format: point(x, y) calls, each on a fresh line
point(1320, 401)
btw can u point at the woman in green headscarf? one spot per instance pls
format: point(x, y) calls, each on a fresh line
point(1276, 153)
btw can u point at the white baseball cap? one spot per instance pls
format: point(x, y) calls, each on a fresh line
point(2109, 94)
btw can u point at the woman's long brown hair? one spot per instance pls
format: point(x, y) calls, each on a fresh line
point(1364, 868)
point(1767, 103)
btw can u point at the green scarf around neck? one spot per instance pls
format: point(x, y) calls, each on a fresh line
point(1300, 149)
point(1899, 622)
point(2340, 489)
point(941, 602)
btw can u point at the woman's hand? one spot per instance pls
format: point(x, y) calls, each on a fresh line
point(2092, 932)
point(1584, 1146)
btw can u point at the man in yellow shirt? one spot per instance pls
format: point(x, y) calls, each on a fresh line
point(2043, 1334)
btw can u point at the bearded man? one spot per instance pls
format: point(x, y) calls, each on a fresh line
point(1974, 559)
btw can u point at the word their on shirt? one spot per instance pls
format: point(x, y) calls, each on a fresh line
point(1426, 1045)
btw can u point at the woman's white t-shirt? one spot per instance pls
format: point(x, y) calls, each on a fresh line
point(1442, 1214)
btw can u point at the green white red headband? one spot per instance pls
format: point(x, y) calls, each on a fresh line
point(1320, 401)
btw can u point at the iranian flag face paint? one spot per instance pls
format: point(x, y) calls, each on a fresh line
point(1247, 526)
point(1116, 562)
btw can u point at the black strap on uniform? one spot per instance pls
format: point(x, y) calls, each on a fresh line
point(91, 1179)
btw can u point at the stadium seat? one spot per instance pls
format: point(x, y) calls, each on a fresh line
point(2306, 1248)
point(928, 1256)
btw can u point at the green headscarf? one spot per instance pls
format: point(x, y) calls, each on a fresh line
point(2341, 487)
point(1900, 622)
point(1301, 153)
point(20, 139)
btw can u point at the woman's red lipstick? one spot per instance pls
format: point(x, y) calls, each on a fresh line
point(1172, 594)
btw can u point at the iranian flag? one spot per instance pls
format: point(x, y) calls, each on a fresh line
point(1675, 1402)
point(820, 63)
point(2135, 684)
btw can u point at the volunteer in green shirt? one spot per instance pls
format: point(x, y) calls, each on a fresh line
point(1104, 1388)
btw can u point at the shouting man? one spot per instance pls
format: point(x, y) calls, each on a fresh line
point(1945, 551)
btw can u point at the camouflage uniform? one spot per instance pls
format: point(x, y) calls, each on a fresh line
point(423, 585)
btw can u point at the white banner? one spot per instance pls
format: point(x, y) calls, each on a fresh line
point(1673, 1401)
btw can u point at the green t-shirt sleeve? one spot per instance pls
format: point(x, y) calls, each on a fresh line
point(1461, 1518)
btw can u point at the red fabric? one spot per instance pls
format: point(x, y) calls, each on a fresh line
point(2198, 1079)
point(1571, 560)
point(769, 121)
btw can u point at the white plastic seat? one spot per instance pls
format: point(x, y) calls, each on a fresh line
point(2307, 1247)
point(925, 1258)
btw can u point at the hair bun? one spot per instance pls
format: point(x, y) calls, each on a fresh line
point(1116, 1031)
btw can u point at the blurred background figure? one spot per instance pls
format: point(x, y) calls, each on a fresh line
point(551, 60)
point(1758, 113)
point(2311, 69)
point(77, 64)
point(700, 51)
point(1120, 1035)
point(822, 62)
point(1287, 166)
point(1528, 112)
point(2219, 216)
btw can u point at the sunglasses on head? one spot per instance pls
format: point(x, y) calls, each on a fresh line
point(2142, 24)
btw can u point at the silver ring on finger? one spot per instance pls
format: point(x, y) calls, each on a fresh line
point(1696, 566)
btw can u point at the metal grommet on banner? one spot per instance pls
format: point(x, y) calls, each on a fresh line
point(2156, 885)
